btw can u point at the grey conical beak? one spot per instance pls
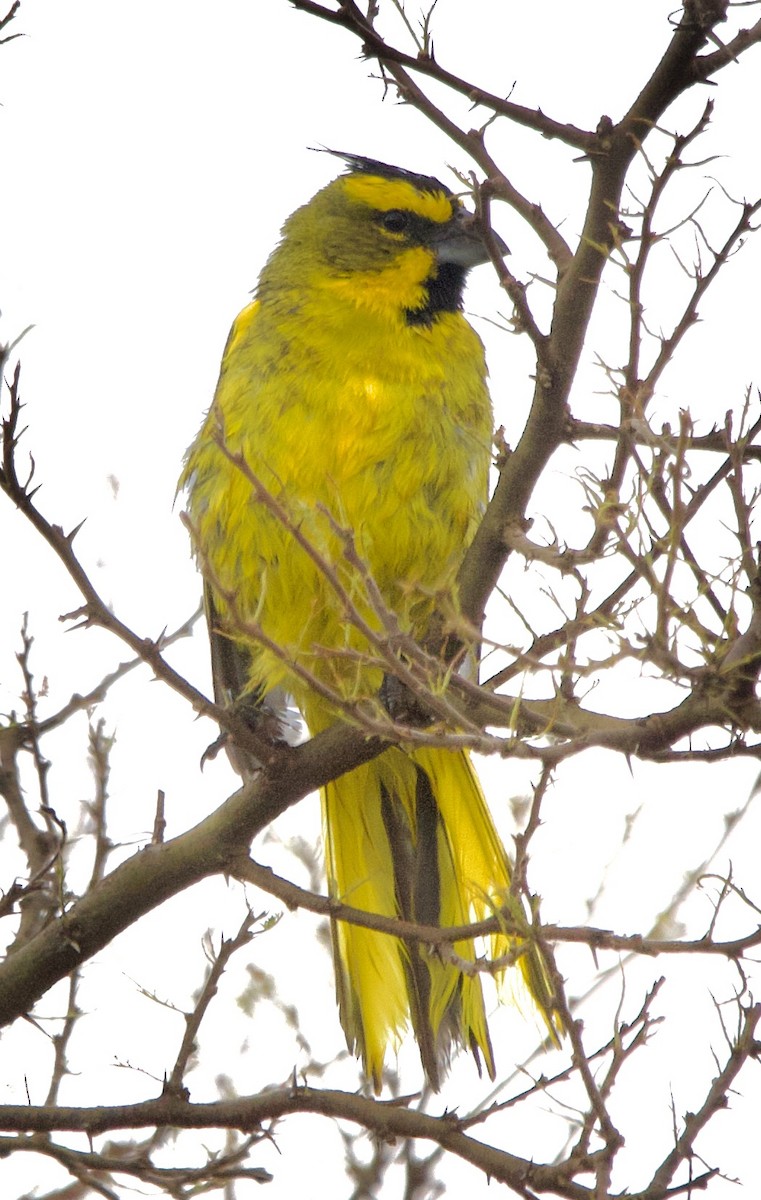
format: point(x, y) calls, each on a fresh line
point(460, 241)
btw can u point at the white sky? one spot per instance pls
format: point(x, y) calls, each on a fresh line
point(150, 155)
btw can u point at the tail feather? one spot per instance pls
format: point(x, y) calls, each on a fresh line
point(409, 835)
point(369, 969)
point(483, 865)
point(416, 900)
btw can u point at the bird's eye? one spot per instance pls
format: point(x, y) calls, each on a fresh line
point(395, 221)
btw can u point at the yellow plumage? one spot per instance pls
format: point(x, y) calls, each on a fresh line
point(354, 391)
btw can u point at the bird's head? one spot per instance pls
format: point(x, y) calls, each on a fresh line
point(385, 238)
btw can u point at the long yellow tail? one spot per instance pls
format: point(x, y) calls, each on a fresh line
point(409, 835)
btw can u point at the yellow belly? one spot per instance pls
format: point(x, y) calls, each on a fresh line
point(348, 432)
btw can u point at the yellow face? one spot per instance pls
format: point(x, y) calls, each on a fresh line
point(394, 243)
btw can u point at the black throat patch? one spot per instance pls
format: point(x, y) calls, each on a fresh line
point(444, 292)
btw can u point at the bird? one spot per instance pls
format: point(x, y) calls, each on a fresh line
point(337, 480)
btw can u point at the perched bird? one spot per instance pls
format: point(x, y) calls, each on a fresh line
point(352, 397)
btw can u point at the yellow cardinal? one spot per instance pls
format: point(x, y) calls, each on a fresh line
point(352, 396)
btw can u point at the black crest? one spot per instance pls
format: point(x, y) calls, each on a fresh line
point(358, 164)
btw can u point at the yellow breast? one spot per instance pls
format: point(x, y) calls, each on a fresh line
point(350, 418)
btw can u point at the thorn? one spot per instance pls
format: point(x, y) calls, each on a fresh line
point(70, 536)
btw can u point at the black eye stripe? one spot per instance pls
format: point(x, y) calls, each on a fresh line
point(396, 220)
point(401, 220)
